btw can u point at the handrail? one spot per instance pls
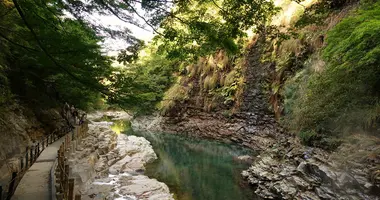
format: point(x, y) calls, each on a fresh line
point(52, 180)
point(30, 156)
point(63, 182)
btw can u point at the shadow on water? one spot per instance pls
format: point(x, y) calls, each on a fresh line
point(197, 169)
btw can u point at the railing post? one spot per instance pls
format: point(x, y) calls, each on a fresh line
point(38, 148)
point(58, 171)
point(71, 189)
point(31, 155)
point(66, 183)
point(26, 158)
point(11, 185)
point(43, 144)
point(60, 196)
point(21, 164)
point(35, 153)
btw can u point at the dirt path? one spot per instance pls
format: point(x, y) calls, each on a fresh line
point(35, 184)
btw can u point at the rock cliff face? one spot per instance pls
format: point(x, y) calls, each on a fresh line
point(21, 127)
point(111, 166)
point(253, 125)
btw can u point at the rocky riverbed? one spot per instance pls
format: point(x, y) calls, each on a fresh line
point(111, 166)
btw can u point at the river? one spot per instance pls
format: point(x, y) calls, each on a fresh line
point(195, 169)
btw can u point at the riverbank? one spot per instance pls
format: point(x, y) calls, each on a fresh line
point(111, 166)
point(193, 168)
point(285, 168)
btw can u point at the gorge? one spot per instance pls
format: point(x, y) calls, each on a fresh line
point(228, 100)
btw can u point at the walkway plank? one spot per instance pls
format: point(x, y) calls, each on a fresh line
point(35, 184)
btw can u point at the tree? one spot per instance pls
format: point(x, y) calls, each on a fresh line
point(49, 42)
point(37, 54)
point(200, 28)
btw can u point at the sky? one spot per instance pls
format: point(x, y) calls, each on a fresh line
point(112, 46)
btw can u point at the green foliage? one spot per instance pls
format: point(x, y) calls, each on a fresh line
point(48, 55)
point(51, 49)
point(230, 78)
point(345, 95)
point(307, 137)
point(193, 70)
point(45, 54)
point(140, 86)
point(176, 94)
point(211, 82)
point(200, 28)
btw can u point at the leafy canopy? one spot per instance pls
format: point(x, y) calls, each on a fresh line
point(200, 28)
point(39, 49)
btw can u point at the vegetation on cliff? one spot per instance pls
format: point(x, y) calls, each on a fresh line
point(336, 88)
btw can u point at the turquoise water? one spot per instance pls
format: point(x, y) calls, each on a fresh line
point(196, 169)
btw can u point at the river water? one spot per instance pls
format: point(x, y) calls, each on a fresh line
point(196, 169)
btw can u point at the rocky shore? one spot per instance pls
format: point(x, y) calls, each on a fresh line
point(293, 171)
point(111, 166)
point(286, 169)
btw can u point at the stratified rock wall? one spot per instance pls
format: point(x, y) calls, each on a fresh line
point(298, 172)
point(253, 125)
point(21, 127)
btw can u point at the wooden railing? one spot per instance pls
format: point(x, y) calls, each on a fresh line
point(63, 181)
point(27, 160)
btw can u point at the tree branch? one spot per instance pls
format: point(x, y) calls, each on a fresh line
point(146, 21)
point(19, 45)
point(218, 6)
point(20, 12)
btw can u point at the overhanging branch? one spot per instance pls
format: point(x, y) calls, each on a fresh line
point(20, 12)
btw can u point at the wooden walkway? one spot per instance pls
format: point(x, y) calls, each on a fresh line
point(36, 183)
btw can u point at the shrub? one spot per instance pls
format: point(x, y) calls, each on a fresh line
point(230, 78)
point(192, 70)
point(345, 95)
point(177, 93)
point(307, 137)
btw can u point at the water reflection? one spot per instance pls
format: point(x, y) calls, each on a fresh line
point(195, 169)
point(121, 126)
point(198, 169)
point(118, 126)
